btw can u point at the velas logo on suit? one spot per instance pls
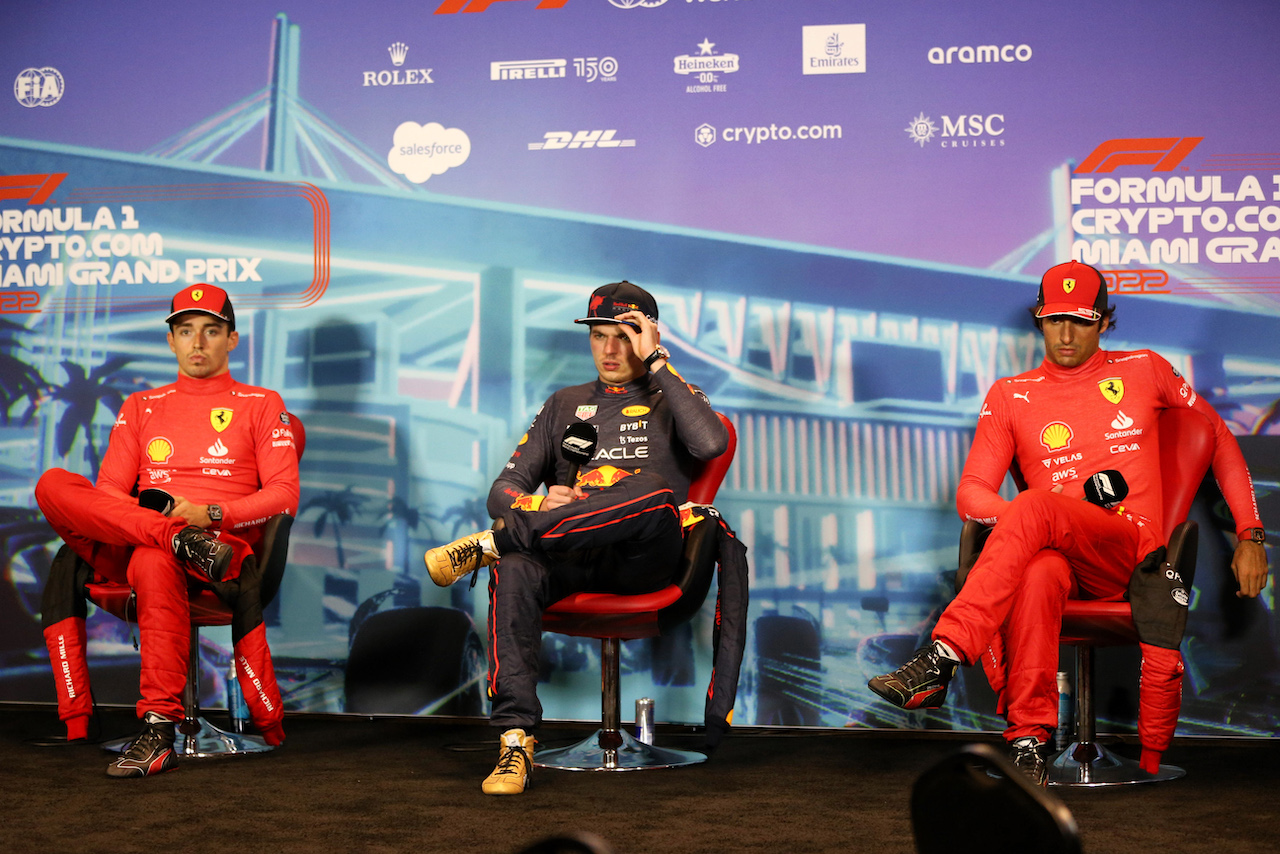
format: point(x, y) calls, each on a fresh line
point(220, 418)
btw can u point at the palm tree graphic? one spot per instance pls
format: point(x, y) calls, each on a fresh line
point(337, 507)
point(83, 394)
point(18, 380)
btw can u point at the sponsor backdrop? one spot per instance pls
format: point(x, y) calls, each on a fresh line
point(842, 207)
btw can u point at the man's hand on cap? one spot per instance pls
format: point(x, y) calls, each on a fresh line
point(647, 339)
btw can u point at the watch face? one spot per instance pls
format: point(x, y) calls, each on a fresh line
point(1258, 535)
point(215, 513)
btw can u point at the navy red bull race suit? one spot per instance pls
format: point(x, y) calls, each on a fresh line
point(211, 440)
point(625, 537)
point(1062, 425)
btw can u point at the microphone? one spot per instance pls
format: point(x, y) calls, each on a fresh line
point(1106, 489)
point(157, 500)
point(578, 446)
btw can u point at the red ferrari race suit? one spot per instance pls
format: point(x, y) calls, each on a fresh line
point(625, 537)
point(210, 441)
point(1060, 426)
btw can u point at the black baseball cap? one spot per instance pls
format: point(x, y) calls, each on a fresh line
point(609, 301)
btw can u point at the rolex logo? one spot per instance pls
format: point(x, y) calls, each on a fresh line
point(398, 52)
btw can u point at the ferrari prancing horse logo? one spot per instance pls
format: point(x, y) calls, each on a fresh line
point(1112, 389)
point(220, 418)
point(1068, 285)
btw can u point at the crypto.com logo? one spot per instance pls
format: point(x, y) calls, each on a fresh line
point(451, 7)
point(1164, 152)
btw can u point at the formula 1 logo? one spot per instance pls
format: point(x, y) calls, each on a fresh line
point(451, 7)
point(1163, 153)
point(36, 189)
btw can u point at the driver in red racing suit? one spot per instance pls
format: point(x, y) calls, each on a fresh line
point(225, 453)
point(1084, 410)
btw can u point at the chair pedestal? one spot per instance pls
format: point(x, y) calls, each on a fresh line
point(1089, 764)
point(196, 738)
point(1085, 763)
point(624, 753)
point(611, 748)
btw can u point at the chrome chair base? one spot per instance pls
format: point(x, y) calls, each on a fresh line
point(199, 739)
point(1089, 764)
point(621, 752)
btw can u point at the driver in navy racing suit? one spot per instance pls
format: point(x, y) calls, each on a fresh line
point(616, 529)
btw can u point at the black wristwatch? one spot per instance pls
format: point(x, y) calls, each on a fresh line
point(215, 515)
point(659, 353)
point(1257, 535)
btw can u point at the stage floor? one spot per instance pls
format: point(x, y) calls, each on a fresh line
point(386, 785)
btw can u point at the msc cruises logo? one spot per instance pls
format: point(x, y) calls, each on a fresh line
point(971, 130)
point(637, 4)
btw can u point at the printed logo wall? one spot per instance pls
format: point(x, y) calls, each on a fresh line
point(843, 216)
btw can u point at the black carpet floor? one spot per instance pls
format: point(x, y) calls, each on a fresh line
point(413, 785)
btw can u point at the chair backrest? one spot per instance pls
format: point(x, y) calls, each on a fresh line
point(698, 560)
point(274, 547)
point(707, 483)
point(1186, 451)
point(976, 800)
